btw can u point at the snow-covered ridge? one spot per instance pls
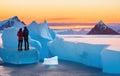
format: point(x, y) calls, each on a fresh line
point(102, 29)
point(101, 22)
point(82, 31)
point(14, 21)
point(115, 27)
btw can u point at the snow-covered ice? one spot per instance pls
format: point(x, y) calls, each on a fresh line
point(115, 27)
point(51, 61)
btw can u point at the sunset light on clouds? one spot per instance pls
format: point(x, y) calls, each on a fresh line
point(61, 10)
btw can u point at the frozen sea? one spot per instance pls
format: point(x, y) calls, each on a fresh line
point(112, 40)
point(64, 68)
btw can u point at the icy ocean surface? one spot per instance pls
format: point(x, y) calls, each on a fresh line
point(65, 68)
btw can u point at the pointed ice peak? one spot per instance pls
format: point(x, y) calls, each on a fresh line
point(34, 22)
point(101, 22)
point(15, 17)
point(45, 21)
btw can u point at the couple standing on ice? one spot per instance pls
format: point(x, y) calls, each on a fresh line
point(23, 35)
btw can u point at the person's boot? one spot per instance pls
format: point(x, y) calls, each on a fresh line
point(25, 49)
point(18, 49)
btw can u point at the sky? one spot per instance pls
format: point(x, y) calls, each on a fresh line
point(65, 11)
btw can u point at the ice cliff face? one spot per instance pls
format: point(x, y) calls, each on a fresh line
point(43, 34)
point(41, 30)
point(101, 28)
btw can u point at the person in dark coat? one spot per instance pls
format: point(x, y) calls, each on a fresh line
point(25, 36)
point(20, 39)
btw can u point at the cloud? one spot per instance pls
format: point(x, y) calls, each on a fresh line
point(60, 19)
point(70, 24)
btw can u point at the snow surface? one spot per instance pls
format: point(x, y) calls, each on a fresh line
point(51, 61)
point(115, 27)
point(100, 22)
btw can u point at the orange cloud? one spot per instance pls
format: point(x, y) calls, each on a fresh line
point(71, 27)
point(60, 19)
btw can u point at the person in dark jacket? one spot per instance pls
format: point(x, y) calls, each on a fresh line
point(25, 36)
point(20, 39)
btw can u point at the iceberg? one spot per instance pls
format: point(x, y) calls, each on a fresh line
point(10, 40)
point(101, 53)
point(40, 35)
point(111, 60)
point(51, 61)
point(43, 34)
point(41, 30)
point(89, 54)
point(9, 52)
